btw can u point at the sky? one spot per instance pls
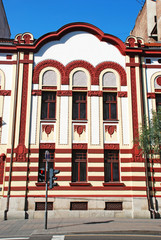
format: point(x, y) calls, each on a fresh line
point(39, 17)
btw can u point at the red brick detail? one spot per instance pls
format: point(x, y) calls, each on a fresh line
point(79, 129)
point(37, 92)
point(112, 146)
point(5, 92)
point(79, 146)
point(48, 129)
point(110, 129)
point(112, 65)
point(47, 145)
point(64, 93)
point(95, 93)
point(151, 95)
point(122, 94)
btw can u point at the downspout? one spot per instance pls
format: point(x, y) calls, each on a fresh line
point(144, 89)
point(13, 137)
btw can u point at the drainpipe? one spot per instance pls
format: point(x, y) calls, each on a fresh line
point(13, 137)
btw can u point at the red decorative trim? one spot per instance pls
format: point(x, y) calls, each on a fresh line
point(63, 150)
point(112, 65)
point(9, 57)
point(112, 146)
point(110, 129)
point(98, 160)
point(79, 146)
point(21, 149)
point(79, 88)
point(157, 90)
point(132, 64)
point(64, 93)
point(17, 169)
point(80, 184)
point(81, 27)
point(37, 92)
point(96, 151)
point(21, 152)
point(133, 169)
point(95, 93)
point(112, 184)
point(26, 61)
point(151, 95)
point(110, 89)
point(47, 63)
point(79, 129)
point(159, 80)
point(8, 62)
point(49, 87)
point(47, 145)
point(5, 92)
point(66, 159)
point(47, 129)
point(122, 94)
point(126, 151)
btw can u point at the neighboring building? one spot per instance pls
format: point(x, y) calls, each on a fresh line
point(81, 94)
point(4, 27)
point(148, 22)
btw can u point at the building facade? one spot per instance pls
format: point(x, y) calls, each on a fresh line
point(148, 22)
point(80, 94)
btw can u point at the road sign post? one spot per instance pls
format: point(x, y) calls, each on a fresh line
point(47, 158)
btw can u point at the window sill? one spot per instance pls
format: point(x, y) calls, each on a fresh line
point(80, 184)
point(117, 184)
point(80, 121)
point(111, 121)
point(40, 184)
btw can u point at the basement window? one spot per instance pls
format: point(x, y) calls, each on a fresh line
point(79, 206)
point(40, 206)
point(113, 206)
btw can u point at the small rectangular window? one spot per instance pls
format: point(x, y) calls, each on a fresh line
point(79, 106)
point(48, 108)
point(79, 166)
point(113, 206)
point(40, 206)
point(109, 106)
point(111, 159)
point(79, 206)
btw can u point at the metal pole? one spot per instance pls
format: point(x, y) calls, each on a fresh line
point(46, 198)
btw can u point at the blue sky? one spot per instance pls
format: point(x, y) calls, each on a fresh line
point(39, 17)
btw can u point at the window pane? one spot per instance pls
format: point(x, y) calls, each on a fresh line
point(107, 172)
point(82, 171)
point(52, 110)
point(115, 172)
point(113, 111)
point(75, 172)
point(82, 111)
point(106, 111)
point(44, 110)
point(75, 111)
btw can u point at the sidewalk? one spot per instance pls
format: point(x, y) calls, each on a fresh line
point(19, 228)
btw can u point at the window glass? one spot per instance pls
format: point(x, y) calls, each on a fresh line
point(79, 106)
point(79, 166)
point(111, 160)
point(49, 78)
point(48, 108)
point(79, 79)
point(109, 80)
point(109, 106)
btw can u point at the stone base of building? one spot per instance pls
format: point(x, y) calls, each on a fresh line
point(76, 207)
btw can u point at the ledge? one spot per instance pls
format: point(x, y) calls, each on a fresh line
point(80, 184)
point(40, 184)
point(112, 184)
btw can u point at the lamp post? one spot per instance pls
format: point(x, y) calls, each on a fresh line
point(47, 159)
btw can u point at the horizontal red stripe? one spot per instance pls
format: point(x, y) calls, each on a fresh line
point(98, 160)
point(33, 159)
point(132, 169)
point(96, 178)
point(95, 150)
point(126, 150)
point(16, 178)
point(126, 160)
point(17, 169)
point(63, 160)
point(133, 178)
point(63, 150)
point(96, 169)
point(8, 62)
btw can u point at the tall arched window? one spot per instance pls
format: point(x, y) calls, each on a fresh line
point(109, 80)
point(79, 79)
point(49, 78)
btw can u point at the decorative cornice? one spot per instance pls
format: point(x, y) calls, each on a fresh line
point(122, 94)
point(5, 92)
point(112, 146)
point(47, 145)
point(95, 93)
point(151, 95)
point(79, 146)
point(37, 92)
point(64, 93)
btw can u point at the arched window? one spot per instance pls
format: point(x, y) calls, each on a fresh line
point(49, 78)
point(157, 82)
point(109, 80)
point(79, 79)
